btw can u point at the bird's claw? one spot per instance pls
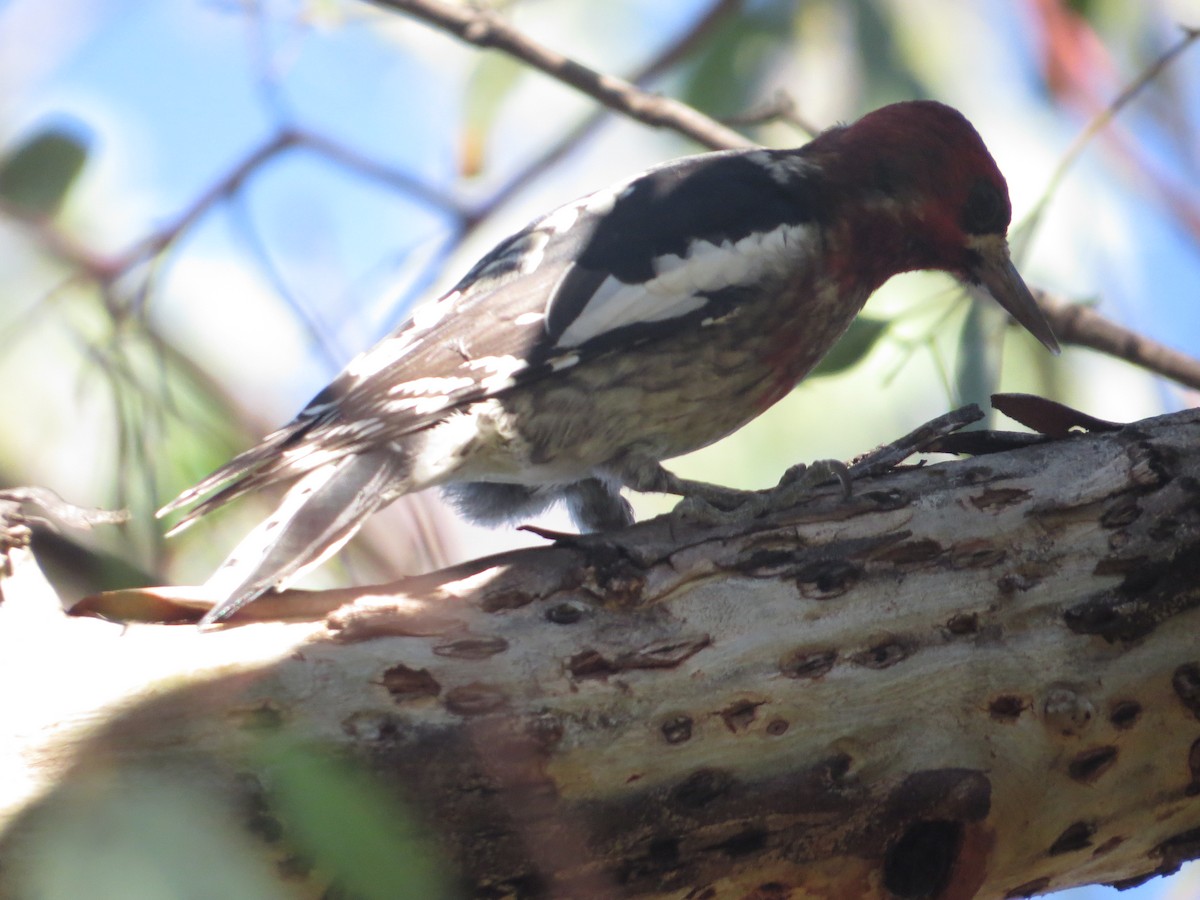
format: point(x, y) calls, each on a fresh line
point(725, 506)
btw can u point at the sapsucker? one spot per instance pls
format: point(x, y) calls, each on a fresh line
point(636, 324)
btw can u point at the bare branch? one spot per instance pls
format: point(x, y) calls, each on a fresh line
point(1075, 323)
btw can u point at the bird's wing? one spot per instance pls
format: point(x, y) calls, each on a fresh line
point(623, 265)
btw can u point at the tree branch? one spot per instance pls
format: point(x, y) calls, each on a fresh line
point(1076, 323)
point(977, 679)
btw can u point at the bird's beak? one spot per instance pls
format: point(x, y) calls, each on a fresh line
point(997, 277)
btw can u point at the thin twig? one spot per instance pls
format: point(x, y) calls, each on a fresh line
point(887, 456)
point(1101, 121)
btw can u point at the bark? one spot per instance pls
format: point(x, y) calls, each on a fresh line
point(979, 678)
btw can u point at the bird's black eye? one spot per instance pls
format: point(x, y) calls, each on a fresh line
point(987, 210)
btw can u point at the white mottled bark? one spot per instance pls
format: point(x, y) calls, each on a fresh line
point(973, 679)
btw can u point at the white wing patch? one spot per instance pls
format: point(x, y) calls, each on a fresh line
point(432, 385)
point(681, 282)
point(500, 371)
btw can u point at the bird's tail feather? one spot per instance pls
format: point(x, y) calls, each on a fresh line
point(248, 470)
point(319, 513)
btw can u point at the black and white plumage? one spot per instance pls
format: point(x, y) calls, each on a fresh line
point(635, 324)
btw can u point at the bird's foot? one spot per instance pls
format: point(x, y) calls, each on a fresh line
point(714, 505)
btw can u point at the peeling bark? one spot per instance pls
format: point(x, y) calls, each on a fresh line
point(979, 678)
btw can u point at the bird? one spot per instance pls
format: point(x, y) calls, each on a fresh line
point(638, 323)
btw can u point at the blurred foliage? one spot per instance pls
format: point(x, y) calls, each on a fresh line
point(135, 835)
point(371, 846)
point(863, 334)
point(36, 174)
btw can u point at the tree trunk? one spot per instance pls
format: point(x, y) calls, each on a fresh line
point(980, 678)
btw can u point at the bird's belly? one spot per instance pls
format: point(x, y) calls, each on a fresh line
point(659, 400)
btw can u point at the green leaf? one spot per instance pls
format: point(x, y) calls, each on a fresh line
point(979, 352)
point(36, 176)
point(372, 845)
point(854, 345)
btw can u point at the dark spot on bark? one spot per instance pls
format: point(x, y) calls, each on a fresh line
point(1125, 714)
point(911, 553)
point(404, 683)
point(887, 500)
point(663, 654)
point(997, 499)
point(1011, 582)
point(475, 699)
point(1007, 707)
point(882, 655)
point(963, 624)
point(745, 842)
point(807, 663)
point(472, 648)
point(677, 729)
point(777, 727)
point(265, 827)
point(564, 614)
point(771, 890)
point(919, 864)
point(1123, 512)
point(663, 850)
point(739, 715)
point(590, 664)
point(1089, 765)
point(1108, 846)
point(503, 600)
point(255, 808)
point(660, 856)
point(835, 768)
point(1186, 682)
point(1075, 836)
point(826, 579)
point(763, 562)
point(1138, 568)
point(701, 788)
point(1193, 789)
point(1028, 889)
point(963, 795)
point(1163, 529)
point(976, 555)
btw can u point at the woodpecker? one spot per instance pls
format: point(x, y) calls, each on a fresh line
point(633, 325)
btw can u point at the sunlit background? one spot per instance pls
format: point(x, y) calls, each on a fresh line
point(208, 206)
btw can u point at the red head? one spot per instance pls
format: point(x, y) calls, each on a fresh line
point(924, 193)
